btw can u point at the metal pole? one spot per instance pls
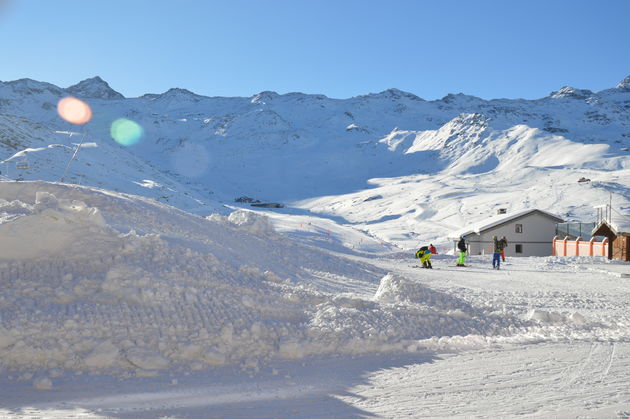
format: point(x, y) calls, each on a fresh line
point(76, 151)
point(610, 209)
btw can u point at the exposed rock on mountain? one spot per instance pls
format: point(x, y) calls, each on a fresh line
point(94, 88)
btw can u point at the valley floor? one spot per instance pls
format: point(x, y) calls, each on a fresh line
point(572, 359)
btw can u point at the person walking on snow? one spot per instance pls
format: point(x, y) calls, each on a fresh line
point(461, 245)
point(432, 249)
point(496, 256)
point(424, 254)
point(504, 243)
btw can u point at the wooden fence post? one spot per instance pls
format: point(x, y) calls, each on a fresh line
point(590, 246)
point(577, 246)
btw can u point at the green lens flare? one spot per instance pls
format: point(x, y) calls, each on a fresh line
point(126, 132)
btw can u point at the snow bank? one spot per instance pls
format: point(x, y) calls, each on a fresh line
point(397, 289)
point(97, 281)
point(551, 317)
point(68, 225)
point(252, 223)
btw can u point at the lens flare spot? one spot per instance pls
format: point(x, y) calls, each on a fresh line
point(126, 132)
point(74, 110)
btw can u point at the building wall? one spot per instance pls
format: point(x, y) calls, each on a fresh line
point(619, 245)
point(621, 248)
point(535, 239)
point(578, 247)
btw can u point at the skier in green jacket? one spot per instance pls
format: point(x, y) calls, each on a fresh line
point(461, 245)
point(424, 254)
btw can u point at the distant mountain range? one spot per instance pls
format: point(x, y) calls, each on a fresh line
point(390, 164)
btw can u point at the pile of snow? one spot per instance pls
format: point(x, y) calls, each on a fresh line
point(252, 222)
point(553, 317)
point(68, 225)
point(98, 281)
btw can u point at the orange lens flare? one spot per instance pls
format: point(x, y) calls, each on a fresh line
point(74, 110)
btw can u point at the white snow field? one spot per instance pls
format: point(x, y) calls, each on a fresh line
point(115, 304)
point(118, 306)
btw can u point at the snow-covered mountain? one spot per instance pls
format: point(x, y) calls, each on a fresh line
point(118, 305)
point(95, 88)
point(390, 164)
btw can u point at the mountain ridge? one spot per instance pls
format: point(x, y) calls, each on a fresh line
point(199, 153)
point(104, 91)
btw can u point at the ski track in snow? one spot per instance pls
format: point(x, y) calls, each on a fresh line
point(543, 380)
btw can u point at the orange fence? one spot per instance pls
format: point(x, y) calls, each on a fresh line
point(579, 247)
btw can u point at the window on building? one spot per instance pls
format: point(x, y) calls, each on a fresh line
point(519, 228)
point(518, 248)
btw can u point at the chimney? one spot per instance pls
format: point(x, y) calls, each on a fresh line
point(501, 211)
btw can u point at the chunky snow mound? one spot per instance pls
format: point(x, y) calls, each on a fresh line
point(98, 281)
point(69, 226)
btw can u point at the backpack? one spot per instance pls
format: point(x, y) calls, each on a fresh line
point(422, 251)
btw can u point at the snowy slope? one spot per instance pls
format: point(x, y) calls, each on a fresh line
point(199, 291)
point(327, 156)
point(125, 306)
point(217, 290)
point(206, 317)
point(194, 291)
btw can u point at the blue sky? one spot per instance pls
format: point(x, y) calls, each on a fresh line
point(340, 48)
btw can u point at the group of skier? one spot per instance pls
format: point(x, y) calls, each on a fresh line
point(498, 254)
point(499, 251)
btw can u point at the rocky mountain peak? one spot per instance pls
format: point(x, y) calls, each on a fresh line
point(95, 88)
point(264, 97)
point(399, 94)
point(570, 92)
point(30, 86)
point(179, 92)
point(471, 119)
point(459, 98)
point(173, 93)
point(624, 84)
point(392, 94)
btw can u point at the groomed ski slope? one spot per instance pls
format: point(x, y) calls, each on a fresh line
point(118, 306)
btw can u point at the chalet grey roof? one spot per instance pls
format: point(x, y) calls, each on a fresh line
point(619, 224)
point(495, 221)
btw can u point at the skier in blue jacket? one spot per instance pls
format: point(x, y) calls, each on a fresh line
point(496, 256)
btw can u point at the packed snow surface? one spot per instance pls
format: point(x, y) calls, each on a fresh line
point(121, 286)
